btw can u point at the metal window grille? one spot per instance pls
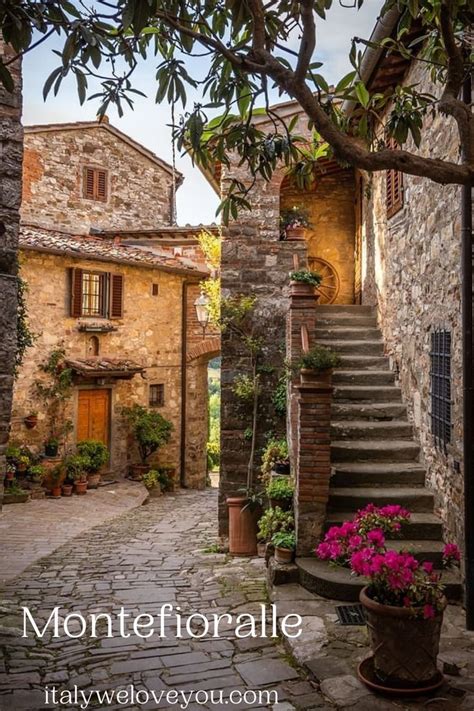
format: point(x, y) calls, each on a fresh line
point(157, 395)
point(441, 387)
point(93, 294)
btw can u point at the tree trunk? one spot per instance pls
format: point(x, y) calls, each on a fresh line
point(11, 151)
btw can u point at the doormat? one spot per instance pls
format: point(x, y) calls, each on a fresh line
point(351, 614)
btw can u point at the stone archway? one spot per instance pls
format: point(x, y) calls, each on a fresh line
point(196, 409)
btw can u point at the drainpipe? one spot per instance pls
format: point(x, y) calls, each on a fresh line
point(468, 388)
point(184, 348)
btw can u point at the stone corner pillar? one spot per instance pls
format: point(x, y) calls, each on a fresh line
point(313, 463)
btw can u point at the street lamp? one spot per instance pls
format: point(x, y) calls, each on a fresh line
point(202, 311)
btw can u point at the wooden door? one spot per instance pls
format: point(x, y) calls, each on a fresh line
point(93, 415)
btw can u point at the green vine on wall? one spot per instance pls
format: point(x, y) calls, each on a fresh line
point(55, 390)
point(24, 337)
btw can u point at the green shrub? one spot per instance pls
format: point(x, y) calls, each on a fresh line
point(276, 452)
point(150, 429)
point(96, 452)
point(213, 455)
point(281, 489)
point(305, 276)
point(77, 466)
point(284, 539)
point(151, 479)
point(319, 358)
point(273, 521)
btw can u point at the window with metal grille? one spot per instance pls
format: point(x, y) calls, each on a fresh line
point(95, 184)
point(156, 395)
point(93, 294)
point(96, 294)
point(441, 387)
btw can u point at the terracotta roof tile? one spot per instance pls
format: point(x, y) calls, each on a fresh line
point(103, 249)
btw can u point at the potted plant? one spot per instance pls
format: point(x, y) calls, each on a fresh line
point(10, 471)
point(275, 458)
point(293, 223)
point(97, 455)
point(151, 481)
point(166, 477)
point(67, 487)
point(280, 491)
point(31, 420)
point(56, 476)
point(317, 364)
point(285, 544)
point(76, 466)
point(271, 522)
point(303, 283)
point(51, 447)
point(244, 512)
point(150, 431)
point(403, 599)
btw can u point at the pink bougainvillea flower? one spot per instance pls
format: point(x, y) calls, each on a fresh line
point(376, 537)
point(428, 567)
point(428, 612)
point(451, 552)
point(406, 601)
point(355, 542)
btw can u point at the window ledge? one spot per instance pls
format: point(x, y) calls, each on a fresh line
point(96, 326)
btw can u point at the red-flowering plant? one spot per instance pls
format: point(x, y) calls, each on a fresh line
point(394, 577)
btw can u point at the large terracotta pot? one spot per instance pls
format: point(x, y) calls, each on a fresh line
point(301, 288)
point(137, 471)
point(405, 647)
point(93, 480)
point(295, 234)
point(80, 487)
point(283, 555)
point(321, 378)
point(242, 526)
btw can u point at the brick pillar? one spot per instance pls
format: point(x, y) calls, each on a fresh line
point(313, 462)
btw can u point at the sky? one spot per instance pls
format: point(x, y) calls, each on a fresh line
point(149, 123)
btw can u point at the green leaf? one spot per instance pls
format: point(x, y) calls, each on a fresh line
point(6, 78)
point(345, 81)
point(362, 94)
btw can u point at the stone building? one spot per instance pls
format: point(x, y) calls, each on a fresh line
point(112, 283)
point(391, 243)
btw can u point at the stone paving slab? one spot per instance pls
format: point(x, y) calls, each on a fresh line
point(141, 559)
point(35, 529)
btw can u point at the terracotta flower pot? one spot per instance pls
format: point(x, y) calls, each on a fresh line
point(67, 489)
point(80, 487)
point(155, 491)
point(405, 647)
point(295, 234)
point(56, 492)
point(93, 480)
point(283, 555)
point(9, 476)
point(261, 549)
point(136, 471)
point(31, 421)
point(301, 288)
point(242, 526)
point(321, 378)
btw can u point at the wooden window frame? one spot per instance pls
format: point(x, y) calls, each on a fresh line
point(160, 401)
point(111, 294)
point(394, 188)
point(102, 294)
point(91, 179)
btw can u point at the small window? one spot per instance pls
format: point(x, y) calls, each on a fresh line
point(440, 377)
point(95, 184)
point(96, 294)
point(155, 289)
point(157, 395)
point(93, 346)
point(394, 186)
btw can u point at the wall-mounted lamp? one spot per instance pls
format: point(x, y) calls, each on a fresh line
point(202, 311)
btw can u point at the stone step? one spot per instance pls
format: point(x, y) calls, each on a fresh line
point(385, 393)
point(346, 309)
point(421, 526)
point(344, 333)
point(355, 320)
point(372, 411)
point(419, 500)
point(338, 583)
point(378, 474)
point(363, 377)
point(379, 450)
point(361, 429)
point(359, 347)
point(363, 362)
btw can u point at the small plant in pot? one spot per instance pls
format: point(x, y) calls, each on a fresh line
point(76, 466)
point(403, 599)
point(275, 459)
point(152, 482)
point(150, 431)
point(303, 283)
point(271, 522)
point(294, 223)
point(10, 471)
point(280, 491)
point(56, 476)
point(51, 447)
point(285, 544)
point(317, 365)
point(31, 420)
point(97, 455)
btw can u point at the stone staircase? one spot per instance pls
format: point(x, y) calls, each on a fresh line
point(374, 455)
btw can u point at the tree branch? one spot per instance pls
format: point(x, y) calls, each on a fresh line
point(308, 40)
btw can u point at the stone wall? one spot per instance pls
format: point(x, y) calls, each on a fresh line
point(411, 270)
point(150, 333)
point(11, 149)
point(139, 189)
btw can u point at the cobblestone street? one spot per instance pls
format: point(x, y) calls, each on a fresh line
point(158, 553)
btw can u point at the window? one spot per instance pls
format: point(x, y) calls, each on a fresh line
point(95, 184)
point(441, 387)
point(96, 294)
point(156, 395)
point(155, 289)
point(394, 186)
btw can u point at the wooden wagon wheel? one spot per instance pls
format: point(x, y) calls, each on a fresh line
point(330, 285)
